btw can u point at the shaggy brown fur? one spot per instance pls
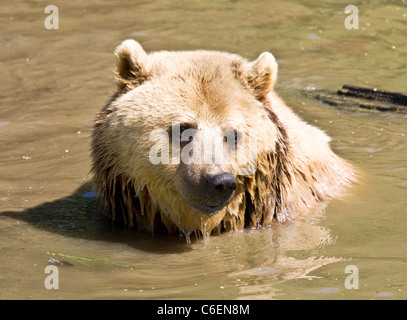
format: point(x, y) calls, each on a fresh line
point(296, 170)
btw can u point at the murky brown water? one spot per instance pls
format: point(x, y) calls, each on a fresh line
point(52, 82)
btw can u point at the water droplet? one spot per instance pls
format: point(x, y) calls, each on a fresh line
point(187, 235)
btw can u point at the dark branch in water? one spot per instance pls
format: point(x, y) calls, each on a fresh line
point(374, 94)
point(355, 98)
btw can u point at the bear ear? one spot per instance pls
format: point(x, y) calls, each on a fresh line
point(263, 75)
point(131, 65)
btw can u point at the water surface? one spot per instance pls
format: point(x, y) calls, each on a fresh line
point(54, 81)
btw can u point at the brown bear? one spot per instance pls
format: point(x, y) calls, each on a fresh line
point(198, 141)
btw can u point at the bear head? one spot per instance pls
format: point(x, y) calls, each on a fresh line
point(190, 141)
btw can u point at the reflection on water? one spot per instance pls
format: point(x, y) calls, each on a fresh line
point(235, 261)
point(54, 81)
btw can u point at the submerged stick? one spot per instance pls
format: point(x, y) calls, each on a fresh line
point(355, 98)
point(374, 94)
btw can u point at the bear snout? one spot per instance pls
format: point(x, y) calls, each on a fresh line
point(220, 187)
point(210, 193)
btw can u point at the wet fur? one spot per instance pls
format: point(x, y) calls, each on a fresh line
point(285, 184)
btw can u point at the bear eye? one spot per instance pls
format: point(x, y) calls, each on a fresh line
point(232, 138)
point(176, 132)
point(183, 127)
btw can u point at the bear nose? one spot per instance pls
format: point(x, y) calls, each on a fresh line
point(221, 186)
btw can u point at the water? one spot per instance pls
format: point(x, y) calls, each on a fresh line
point(54, 81)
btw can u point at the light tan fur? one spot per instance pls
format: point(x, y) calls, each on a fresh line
point(296, 169)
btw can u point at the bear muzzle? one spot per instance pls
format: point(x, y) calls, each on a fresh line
point(213, 193)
